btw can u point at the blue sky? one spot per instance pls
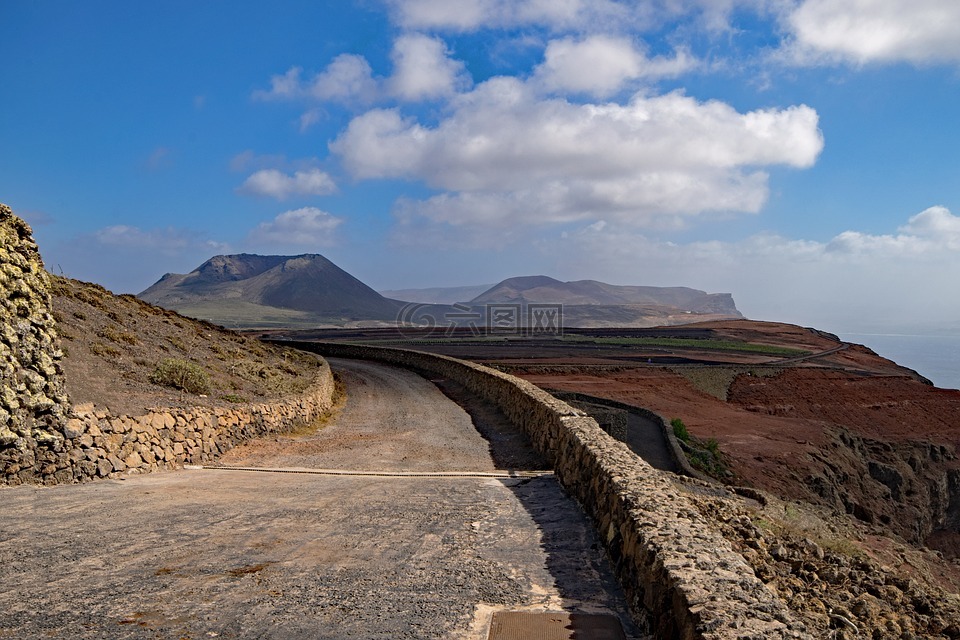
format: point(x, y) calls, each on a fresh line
point(800, 154)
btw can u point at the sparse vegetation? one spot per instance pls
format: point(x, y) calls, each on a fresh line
point(112, 363)
point(104, 350)
point(680, 429)
point(695, 343)
point(116, 335)
point(703, 455)
point(181, 374)
point(716, 381)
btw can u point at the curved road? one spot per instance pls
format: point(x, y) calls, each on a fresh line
point(236, 554)
point(394, 420)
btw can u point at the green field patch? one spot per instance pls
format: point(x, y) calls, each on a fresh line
point(695, 343)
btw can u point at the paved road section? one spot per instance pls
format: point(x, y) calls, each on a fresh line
point(237, 554)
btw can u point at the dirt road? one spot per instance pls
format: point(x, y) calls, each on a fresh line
point(238, 554)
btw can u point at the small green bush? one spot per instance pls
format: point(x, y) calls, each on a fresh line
point(712, 446)
point(181, 374)
point(680, 429)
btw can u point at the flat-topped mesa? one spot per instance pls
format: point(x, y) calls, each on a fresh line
point(33, 397)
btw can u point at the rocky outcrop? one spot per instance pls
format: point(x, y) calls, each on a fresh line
point(902, 486)
point(32, 395)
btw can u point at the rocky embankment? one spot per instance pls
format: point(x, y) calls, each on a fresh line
point(843, 582)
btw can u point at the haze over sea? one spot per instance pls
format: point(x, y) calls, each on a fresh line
point(936, 357)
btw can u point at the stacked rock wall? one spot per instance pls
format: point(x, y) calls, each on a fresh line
point(670, 561)
point(32, 394)
point(97, 444)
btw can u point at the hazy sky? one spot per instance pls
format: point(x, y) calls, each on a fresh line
point(803, 155)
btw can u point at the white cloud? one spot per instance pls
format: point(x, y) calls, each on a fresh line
point(599, 65)
point(129, 257)
point(284, 86)
point(422, 69)
point(864, 31)
point(503, 156)
point(276, 184)
point(930, 232)
point(307, 226)
point(854, 282)
point(349, 77)
point(308, 119)
point(168, 239)
point(469, 15)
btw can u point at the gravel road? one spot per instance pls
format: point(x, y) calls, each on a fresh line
point(239, 554)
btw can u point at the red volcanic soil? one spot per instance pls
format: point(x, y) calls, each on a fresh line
point(841, 426)
point(769, 426)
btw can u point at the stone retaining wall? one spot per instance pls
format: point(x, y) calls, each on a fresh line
point(669, 559)
point(99, 445)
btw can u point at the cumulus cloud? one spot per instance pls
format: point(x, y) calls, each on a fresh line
point(864, 31)
point(503, 156)
point(307, 226)
point(853, 282)
point(276, 184)
point(347, 79)
point(930, 232)
point(423, 70)
point(600, 65)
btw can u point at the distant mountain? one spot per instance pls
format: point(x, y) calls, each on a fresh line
point(246, 291)
point(543, 289)
point(253, 290)
point(438, 295)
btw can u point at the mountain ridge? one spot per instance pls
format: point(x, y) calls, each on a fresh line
point(253, 290)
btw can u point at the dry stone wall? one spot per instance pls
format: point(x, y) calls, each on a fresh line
point(670, 561)
point(32, 393)
point(97, 444)
point(45, 440)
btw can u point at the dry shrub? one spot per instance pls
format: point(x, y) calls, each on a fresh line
point(181, 374)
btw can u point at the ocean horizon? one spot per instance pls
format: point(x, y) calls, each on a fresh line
point(935, 357)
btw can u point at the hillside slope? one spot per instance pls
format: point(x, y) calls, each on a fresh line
point(112, 345)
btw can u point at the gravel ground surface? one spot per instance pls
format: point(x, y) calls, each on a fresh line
point(235, 554)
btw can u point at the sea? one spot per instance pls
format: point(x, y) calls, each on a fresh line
point(935, 357)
